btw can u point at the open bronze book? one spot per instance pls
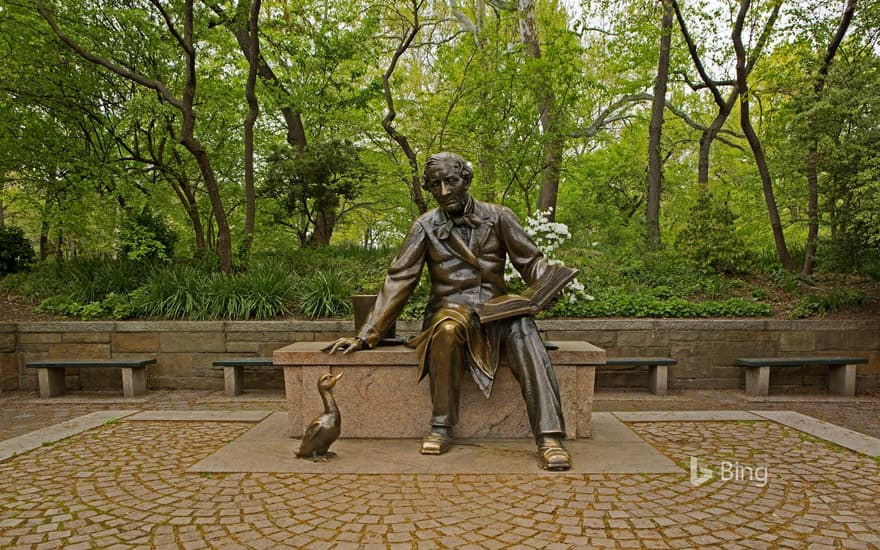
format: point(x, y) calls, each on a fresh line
point(533, 300)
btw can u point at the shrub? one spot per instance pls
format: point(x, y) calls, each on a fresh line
point(145, 237)
point(709, 238)
point(829, 302)
point(324, 294)
point(16, 252)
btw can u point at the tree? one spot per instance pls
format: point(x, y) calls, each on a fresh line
point(184, 103)
point(309, 184)
point(812, 159)
point(742, 86)
point(655, 163)
point(410, 28)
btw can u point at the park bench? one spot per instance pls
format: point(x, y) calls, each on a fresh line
point(657, 369)
point(841, 376)
point(233, 372)
point(50, 373)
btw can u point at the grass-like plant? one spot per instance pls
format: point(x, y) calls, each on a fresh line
point(324, 294)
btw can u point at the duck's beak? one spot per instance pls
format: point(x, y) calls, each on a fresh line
point(336, 378)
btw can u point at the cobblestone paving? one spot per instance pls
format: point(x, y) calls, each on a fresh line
point(21, 412)
point(124, 485)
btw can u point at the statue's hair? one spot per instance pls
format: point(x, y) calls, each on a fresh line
point(463, 167)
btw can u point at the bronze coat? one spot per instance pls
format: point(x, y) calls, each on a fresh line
point(460, 273)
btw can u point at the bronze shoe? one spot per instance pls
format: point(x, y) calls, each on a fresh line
point(435, 443)
point(553, 456)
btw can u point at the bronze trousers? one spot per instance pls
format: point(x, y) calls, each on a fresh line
point(526, 357)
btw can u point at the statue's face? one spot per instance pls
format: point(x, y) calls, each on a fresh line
point(448, 187)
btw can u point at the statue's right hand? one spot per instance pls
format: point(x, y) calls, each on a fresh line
point(347, 345)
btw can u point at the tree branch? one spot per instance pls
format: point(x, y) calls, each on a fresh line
point(150, 83)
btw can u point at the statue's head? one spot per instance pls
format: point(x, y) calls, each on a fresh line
point(448, 177)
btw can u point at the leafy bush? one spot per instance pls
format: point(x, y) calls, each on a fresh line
point(16, 252)
point(146, 237)
point(324, 294)
point(829, 302)
point(610, 304)
point(709, 238)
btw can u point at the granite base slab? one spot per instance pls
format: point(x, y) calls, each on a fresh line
point(614, 448)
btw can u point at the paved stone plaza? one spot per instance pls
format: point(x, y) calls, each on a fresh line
point(126, 482)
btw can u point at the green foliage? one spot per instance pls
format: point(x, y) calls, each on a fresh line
point(146, 237)
point(186, 292)
point(833, 301)
point(324, 294)
point(709, 237)
point(610, 304)
point(16, 252)
point(306, 184)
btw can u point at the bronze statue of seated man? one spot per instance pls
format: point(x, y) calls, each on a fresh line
point(465, 243)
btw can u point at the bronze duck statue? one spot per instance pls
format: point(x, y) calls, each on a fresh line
point(324, 429)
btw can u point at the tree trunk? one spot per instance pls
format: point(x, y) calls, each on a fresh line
point(708, 137)
point(2, 213)
point(813, 152)
point(655, 162)
point(44, 239)
point(554, 142)
point(188, 199)
point(325, 221)
point(253, 56)
point(755, 142)
point(387, 122)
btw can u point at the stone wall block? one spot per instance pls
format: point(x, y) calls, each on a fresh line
point(168, 369)
point(243, 348)
point(7, 342)
point(797, 341)
point(135, 342)
point(192, 342)
point(8, 371)
point(848, 341)
point(725, 353)
point(603, 338)
point(266, 348)
point(79, 351)
point(25, 338)
point(642, 338)
point(85, 337)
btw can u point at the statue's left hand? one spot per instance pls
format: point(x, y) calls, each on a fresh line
point(347, 345)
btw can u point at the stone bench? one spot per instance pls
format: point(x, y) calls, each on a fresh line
point(841, 377)
point(233, 372)
point(379, 396)
point(657, 369)
point(50, 374)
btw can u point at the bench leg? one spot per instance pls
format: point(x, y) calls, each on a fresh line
point(233, 381)
point(657, 379)
point(134, 381)
point(757, 380)
point(842, 380)
point(51, 382)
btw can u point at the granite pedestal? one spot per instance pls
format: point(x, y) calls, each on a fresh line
point(380, 397)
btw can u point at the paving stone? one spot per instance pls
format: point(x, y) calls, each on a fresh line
point(136, 490)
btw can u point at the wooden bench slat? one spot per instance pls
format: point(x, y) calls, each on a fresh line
point(74, 363)
point(244, 362)
point(639, 361)
point(798, 361)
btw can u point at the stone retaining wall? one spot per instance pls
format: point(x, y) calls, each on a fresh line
point(705, 349)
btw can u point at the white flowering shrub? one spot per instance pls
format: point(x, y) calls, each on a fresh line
point(548, 236)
